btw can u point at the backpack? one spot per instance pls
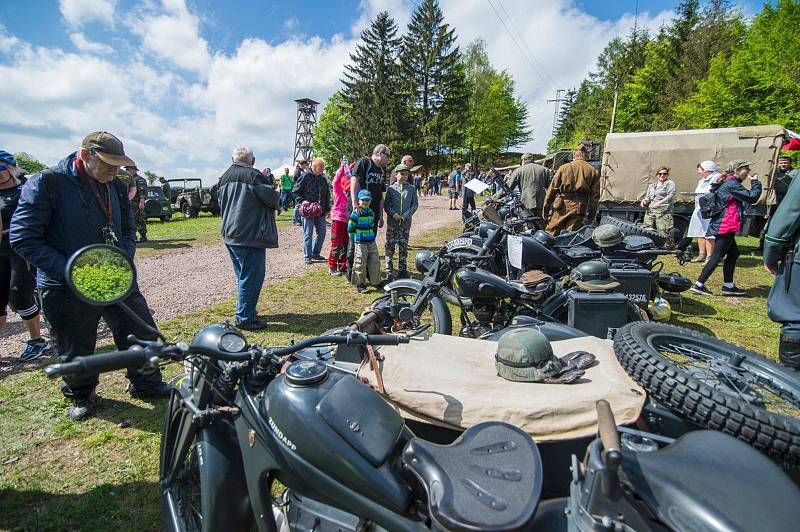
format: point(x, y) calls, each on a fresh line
point(711, 205)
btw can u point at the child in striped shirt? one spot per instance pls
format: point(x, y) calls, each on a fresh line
point(366, 265)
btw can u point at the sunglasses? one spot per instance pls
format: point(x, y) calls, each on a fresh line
point(663, 173)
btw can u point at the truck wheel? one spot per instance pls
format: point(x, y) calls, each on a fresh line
point(627, 228)
point(716, 385)
point(186, 210)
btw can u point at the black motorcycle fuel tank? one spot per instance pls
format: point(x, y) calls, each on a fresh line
point(536, 256)
point(477, 283)
point(341, 427)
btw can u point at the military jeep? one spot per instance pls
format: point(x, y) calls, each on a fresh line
point(156, 205)
point(190, 197)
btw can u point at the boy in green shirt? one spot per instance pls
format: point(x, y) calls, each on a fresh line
point(286, 190)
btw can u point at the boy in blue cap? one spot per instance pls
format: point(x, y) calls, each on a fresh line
point(360, 227)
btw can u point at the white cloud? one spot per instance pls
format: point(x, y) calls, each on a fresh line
point(173, 34)
point(85, 45)
point(80, 12)
point(185, 121)
point(561, 42)
point(291, 23)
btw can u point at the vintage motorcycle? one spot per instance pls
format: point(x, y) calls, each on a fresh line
point(243, 418)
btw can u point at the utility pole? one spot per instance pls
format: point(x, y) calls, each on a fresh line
point(614, 109)
point(557, 101)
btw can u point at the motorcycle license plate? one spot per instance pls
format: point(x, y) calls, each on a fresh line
point(458, 243)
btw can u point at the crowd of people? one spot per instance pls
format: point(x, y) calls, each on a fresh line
point(85, 200)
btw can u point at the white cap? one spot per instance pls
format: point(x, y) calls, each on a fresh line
point(709, 166)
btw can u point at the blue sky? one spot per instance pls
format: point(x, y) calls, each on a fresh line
point(183, 82)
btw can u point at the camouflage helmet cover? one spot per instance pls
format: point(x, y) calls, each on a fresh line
point(607, 235)
point(525, 355)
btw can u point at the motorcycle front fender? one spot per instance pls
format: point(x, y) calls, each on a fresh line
point(412, 284)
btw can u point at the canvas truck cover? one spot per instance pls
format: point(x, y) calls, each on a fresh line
point(630, 160)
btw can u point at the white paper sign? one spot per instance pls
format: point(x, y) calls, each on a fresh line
point(477, 186)
point(515, 251)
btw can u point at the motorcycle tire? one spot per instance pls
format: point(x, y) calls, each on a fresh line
point(191, 498)
point(628, 228)
point(440, 314)
point(708, 397)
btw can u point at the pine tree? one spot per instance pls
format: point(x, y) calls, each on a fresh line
point(429, 64)
point(371, 84)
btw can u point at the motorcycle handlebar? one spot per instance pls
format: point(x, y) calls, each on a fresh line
point(135, 357)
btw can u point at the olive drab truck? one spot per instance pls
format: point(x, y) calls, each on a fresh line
point(630, 160)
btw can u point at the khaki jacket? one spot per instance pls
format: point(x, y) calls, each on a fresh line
point(576, 181)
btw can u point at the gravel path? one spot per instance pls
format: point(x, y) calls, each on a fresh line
point(186, 280)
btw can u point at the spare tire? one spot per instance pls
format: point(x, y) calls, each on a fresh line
point(716, 385)
point(628, 228)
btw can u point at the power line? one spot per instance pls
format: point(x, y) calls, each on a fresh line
point(514, 39)
point(522, 40)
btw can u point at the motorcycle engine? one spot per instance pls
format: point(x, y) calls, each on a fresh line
point(485, 311)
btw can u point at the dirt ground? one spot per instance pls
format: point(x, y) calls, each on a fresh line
point(187, 280)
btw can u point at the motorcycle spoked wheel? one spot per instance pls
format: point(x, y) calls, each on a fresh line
point(436, 313)
point(183, 492)
point(716, 385)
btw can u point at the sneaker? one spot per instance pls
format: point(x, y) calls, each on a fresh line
point(702, 290)
point(319, 258)
point(160, 391)
point(699, 258)
point(82, 408)
point(361, 288)
point(733, 291)
point(308, 261)
point(336, 273)
point(253, 325)
point(34, 349)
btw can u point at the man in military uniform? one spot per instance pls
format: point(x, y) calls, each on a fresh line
point(783, 178)
point(573, 195)
point(165, 188)
point(782, 259)
point(137, 201)
point(531, 178)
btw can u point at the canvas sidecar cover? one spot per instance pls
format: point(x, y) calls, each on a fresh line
point(452, 382)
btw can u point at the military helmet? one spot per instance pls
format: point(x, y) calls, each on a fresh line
point(592, 276)
point(525, 355)
point(607, 236)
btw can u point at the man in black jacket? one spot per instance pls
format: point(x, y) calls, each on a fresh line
point(247, 204)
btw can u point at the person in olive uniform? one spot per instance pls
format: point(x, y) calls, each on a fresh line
point(782, 259)
point(572, 198)
point(783, 178)
point(137, 201)
point(165, 188)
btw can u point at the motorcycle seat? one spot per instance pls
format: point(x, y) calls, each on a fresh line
point(714, 482)
point(490, 478)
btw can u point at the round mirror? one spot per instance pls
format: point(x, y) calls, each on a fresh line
point(100, 274)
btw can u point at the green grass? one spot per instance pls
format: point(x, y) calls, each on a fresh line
point(102, 474)
point(184, 233)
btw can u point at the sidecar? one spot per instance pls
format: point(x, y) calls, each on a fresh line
point(441, 396)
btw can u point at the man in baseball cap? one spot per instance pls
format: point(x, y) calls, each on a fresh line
point(61, 210)
point(108, 148)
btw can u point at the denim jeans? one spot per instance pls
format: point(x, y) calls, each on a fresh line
point(296, 215)
point(249, 265)
point(286, 196)
point(309, 225)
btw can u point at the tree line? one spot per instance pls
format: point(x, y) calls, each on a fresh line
point(708, 68)
point(419, 93)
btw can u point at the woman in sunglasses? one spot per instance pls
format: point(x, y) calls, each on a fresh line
point(658, 201)
point(14, 271)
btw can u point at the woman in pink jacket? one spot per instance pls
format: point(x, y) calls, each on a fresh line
point(337, 259)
